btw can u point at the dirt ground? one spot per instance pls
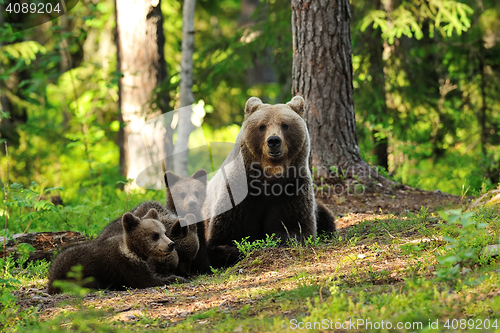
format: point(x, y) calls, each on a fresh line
point(397, 200)
point(266, 270)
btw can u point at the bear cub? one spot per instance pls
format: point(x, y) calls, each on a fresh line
point(182, 230)
point(179, 230)
point(119, 261)
point(187, 196)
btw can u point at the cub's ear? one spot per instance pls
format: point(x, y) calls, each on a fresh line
point(200, 175)
point(130, 222)
point(252, 105)
point(152, 214)
point(178, 230)
point(171, 178)
point(297, 105)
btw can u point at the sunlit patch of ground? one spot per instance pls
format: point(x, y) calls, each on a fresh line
point(373, 256)
point(371, 251)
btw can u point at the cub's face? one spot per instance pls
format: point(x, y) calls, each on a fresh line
point(147, 237)
point(187, 194)
point(274, 134)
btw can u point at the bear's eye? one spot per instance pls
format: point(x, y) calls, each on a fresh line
point(262, 128)
point(284, 126)
point(156, 236)
point(196, 194)
point(183, 195)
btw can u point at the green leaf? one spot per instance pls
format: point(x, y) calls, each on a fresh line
point(450, 260)
point(449, 239)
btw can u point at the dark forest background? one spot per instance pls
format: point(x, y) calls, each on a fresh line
point(426, 88)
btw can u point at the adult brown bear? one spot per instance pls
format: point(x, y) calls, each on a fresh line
point(264, 186)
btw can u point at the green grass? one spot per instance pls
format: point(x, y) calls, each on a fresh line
point(85, 212)
point(416, 269)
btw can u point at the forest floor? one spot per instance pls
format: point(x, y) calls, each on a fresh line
point(380, 265)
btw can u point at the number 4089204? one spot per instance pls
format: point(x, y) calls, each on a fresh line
point(39, 8)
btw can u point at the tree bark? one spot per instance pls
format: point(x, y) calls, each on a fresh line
point(140, 59)
point(322, 74)
point(185, 126)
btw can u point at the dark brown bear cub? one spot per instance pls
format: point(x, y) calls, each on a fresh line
point(187, 196)
point(183, 231)
point(119, 261)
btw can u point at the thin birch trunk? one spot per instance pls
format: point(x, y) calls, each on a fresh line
point(185, 126)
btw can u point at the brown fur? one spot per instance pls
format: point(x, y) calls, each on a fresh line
point(119, 261)
point(184, 235)
point(184, 231)
point(184, 196)
point(286, 166)
point(325, 221)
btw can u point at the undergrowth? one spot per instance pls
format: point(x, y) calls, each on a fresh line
point(446, 275)
point(30, 209)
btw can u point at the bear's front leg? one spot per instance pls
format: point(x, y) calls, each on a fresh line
point(291, 218)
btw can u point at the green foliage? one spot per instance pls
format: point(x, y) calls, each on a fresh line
point(62, 124)
point(426, 80)
point(30, 202)
point(320, 239)
point(23, 51)
point(75, 284)
point(429, 113)
point(466, 238)
point(12, 278)
point(24, 251)
point(84, 213)
point(246, 247)
point(8, 313)
point(409, 17)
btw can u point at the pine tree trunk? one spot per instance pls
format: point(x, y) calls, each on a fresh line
point(322, 74)
point(185, 90)
point(140, 58)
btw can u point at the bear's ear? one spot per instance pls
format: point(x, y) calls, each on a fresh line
point(171, 178)
point(252, 105)
point(297, 105)
point(201, 175)
point(178, 230)
point(130, 222)
point(152, 214)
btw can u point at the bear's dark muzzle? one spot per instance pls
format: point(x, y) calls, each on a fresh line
point(193, 205)
point(274, 142)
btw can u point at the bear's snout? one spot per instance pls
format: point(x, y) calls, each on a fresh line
point(171, 246)
point(274, 142)
point(193, 205)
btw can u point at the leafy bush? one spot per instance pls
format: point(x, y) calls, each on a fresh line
point(466, 239)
